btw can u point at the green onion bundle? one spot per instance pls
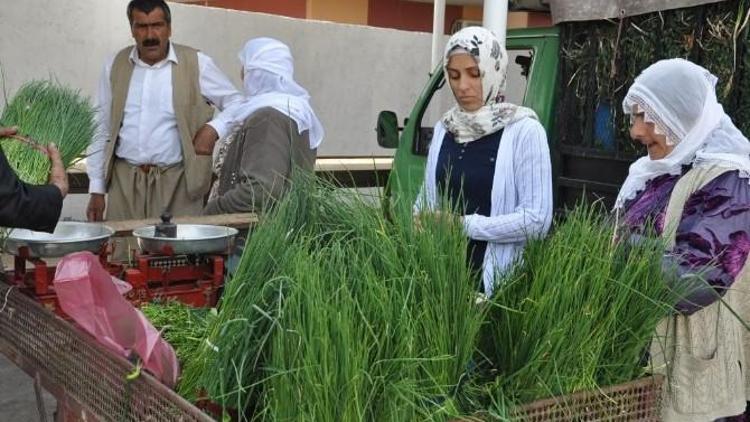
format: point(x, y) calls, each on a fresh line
point(337, 313)
point(46, 112)
point(238, 338)
point(578, 313)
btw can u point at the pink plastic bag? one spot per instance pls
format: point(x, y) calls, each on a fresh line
point(88, 294)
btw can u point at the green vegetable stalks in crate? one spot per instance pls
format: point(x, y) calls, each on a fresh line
point(46, 112)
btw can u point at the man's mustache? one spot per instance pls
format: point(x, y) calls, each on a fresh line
point(151, 42)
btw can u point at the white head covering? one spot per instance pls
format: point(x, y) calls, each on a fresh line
point(269, 82)
point(492, 60)
point(679, 98)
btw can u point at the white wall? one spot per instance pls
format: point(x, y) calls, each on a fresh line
point(352, 72)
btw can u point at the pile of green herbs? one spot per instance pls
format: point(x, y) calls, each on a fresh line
point(577, 314)
point(182, 326)
point(46, 112)
point(338, 313)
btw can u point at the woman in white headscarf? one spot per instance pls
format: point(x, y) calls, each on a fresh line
point(280, 132)
point(489, 157)
point(693, 190)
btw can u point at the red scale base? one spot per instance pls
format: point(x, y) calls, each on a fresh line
point(195, 280)
point(191, 279)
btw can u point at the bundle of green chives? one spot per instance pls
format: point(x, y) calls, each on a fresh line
point(237, 341)
point(578, 313)
point(46, 112)
point(381, 328)
point(337, 313)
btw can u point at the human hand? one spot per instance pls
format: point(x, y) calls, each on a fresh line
point(95, 208)
point(433, 217)
point(417, 222)
point(57, 175)
point(8, 131)
point(205, 139)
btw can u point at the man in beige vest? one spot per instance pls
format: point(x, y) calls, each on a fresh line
point(155, 101)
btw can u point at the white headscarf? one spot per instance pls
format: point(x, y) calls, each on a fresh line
point(492, 60)
point(269, 82)
point(679, 98)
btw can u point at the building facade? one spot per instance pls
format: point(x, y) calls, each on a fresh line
point(397, 14)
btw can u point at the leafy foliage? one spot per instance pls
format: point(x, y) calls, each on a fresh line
point(46, 112)
point(598, 66)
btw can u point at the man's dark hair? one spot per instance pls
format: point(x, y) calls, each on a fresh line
point(147, 6)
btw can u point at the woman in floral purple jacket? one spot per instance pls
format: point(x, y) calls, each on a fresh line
point(693, 190)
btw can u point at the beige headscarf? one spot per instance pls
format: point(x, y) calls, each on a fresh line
point(492, 60)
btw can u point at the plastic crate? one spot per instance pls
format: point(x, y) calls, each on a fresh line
point(638, 400)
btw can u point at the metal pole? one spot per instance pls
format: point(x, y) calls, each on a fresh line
point(495, 17)
point(438, 31)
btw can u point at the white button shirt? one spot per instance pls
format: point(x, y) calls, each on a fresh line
point(149, 133)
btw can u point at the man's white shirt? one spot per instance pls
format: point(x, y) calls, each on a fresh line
point(149, 133)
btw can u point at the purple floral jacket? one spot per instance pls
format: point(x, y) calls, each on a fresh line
point(712, 236)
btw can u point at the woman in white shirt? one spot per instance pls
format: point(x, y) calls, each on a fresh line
point(488, 157)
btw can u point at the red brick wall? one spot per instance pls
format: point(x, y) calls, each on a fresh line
point(407, 15)
point(291, 8)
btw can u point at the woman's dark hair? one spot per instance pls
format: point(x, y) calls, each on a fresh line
point(146, 6)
